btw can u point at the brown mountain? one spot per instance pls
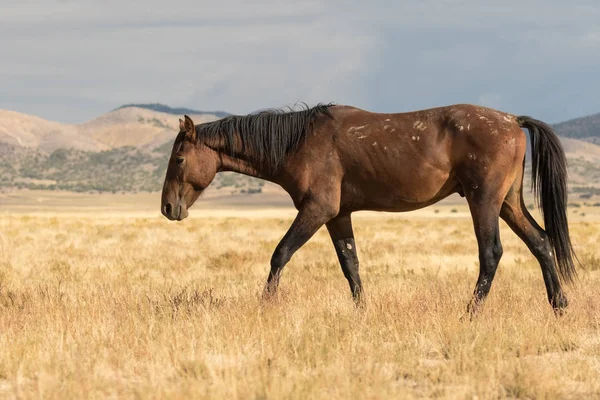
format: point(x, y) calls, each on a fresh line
point(584, 128)
point(126, 126)
point(29, 131)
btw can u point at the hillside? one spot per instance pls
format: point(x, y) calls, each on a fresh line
point(23, 130)
point(125, 126)
point(584, 128)
point(125, 150)
point(123, 169)
point(138, 127)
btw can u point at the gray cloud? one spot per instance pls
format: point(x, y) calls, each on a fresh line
point(73, 60)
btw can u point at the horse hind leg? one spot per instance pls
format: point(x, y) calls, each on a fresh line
point(515, 214)
point(485, 216)
point(485, 195)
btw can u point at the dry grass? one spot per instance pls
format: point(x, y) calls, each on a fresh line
point(121, 306)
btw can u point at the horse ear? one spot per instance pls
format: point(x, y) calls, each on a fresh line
point(189, 128)
point(181, 125)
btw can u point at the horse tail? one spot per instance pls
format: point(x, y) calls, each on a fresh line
point(549, 184)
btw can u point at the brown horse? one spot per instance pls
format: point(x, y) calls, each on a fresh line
point(334, 160)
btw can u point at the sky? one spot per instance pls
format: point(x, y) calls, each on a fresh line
point(71, 61)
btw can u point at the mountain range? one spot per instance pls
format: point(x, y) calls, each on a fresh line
point(126, 150)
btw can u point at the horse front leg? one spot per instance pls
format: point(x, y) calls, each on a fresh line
point(311, 216)
point(342, 236)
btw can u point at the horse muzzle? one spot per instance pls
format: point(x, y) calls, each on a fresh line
point(175, 212)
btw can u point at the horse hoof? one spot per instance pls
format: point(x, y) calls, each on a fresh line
point(269, 296)
point(559, 304)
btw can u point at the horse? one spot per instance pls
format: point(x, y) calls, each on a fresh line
point(334, 160)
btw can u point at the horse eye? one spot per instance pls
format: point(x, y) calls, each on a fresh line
point(179, 160)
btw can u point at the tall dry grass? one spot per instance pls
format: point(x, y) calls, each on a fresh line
point(114, 306)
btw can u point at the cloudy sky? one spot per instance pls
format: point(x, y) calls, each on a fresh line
point(73, 60)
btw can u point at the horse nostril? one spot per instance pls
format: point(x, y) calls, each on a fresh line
point(168, 209)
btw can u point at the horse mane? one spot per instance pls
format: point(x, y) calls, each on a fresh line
point(266, 137)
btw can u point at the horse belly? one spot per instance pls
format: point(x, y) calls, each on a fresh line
point(404, 187)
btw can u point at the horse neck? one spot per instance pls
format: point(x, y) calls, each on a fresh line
point(243, 161)
point(243, 164)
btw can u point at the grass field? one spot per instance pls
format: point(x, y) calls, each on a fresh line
point(106, 301)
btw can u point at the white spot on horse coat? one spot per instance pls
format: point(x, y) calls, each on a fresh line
point(363, 136)
point(419, 126)
point(469, 127)
point(388, 120)
point(507, 119)
point(348, 246)
point(472, 156)
point(374, 143)
point(550, 253)
point(356, 128)
point(413, 137)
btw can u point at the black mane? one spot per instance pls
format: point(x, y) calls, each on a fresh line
point(266, 137)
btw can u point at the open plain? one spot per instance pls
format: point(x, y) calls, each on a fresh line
point(100, 296)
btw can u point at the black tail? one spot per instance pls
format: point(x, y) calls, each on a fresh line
point(549, 184)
